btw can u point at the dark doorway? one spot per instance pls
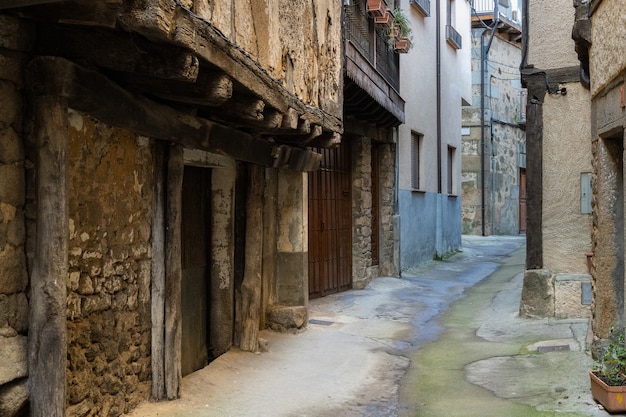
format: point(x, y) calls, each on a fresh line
point(330, 223)
point(196, 268)
point(522, 200)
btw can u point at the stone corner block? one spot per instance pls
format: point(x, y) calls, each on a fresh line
point(285, 318)
point(537, 294)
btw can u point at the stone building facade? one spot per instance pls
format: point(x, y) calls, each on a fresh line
point(153, 175)
point(558, 166)
point(599, 43)
point(492, 203)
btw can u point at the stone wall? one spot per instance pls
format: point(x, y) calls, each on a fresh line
point(504, 142)
point(15, 39)
point(389, 238)
point(362, 269)
point(108, 308)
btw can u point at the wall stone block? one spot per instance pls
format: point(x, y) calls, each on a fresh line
point(13, 276)
point(11, 149)
point(14, 398)
point(12, 185)
point(13, 355)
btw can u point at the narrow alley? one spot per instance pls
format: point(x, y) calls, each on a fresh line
point(445, 341)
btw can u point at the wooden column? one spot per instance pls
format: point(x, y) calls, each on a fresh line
point(173, 273)
point(47, 335)
point(536, 84)
point(251, 286)
point(158, 273)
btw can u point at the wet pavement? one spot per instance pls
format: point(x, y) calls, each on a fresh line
point(444, 340)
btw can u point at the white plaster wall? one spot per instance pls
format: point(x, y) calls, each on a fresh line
point(551, 19)
point(607, 56)
point(418, 86)
point(566, 154)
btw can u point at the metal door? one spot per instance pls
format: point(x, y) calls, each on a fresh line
point(330, 223)
point(195, 265)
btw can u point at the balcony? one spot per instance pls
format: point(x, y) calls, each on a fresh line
point(486, 9)
point(423, 6)
point(371, 42)
point(372, 69)
point(453, 37)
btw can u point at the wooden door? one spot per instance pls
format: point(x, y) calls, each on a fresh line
point(330, 223)
point(195, 265)
point(522, 200)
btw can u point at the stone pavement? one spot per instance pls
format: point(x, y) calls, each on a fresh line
point(443, 341)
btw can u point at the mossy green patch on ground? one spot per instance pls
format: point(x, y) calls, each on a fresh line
point(436, 383)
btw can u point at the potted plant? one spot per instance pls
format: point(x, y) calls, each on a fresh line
point(376, 8)
point(608, 378)
point(399, 37)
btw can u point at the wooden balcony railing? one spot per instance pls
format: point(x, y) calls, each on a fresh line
point(371, 42)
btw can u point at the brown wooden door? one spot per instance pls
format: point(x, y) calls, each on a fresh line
point(195, 265)
point(522, 200)
point(330, 223)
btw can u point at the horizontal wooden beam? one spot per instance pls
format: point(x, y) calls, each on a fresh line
point(118, 51)
point(101, 13)
point(11, 4)
point(90, 92)
point(167, 21)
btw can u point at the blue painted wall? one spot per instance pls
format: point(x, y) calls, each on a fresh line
point(430, 225)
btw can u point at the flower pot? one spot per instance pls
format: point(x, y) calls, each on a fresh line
point(402, 45)
point(376, 8)
point(612, 398)
point(385, 19)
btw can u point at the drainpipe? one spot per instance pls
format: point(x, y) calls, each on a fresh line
point(438, 59)
point(484, 54)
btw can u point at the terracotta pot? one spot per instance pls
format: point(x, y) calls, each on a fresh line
point(612, 398)
point(376, 8)
point(385, 19)
point(403, 45)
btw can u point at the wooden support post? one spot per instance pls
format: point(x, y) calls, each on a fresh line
point(158, 273)
point(251, 285)
point(173, 273)
point(47, 336)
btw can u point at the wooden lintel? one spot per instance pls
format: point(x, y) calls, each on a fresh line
point(167, 21)
point(92, 93)
point(11, 4)
point(102, 13)
point(212, 89)
point(119, 51)
point(326, 140)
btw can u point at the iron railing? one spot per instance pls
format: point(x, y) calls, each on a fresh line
point(453, 37)
point(371, 42)
point(483, 6)
point(422, 5)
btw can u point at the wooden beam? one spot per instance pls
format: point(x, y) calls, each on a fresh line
point(157, 287)
point(11, 4)
point(211, 88)
point(173, 273)
point(47, 336)
point(251, 285)
point(118, 51)
point(92, 93)
point(167, 21)
point(101, 13)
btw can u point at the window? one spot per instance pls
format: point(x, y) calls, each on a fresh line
point(453, 37)
point(451, 152)
point(416, 149)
